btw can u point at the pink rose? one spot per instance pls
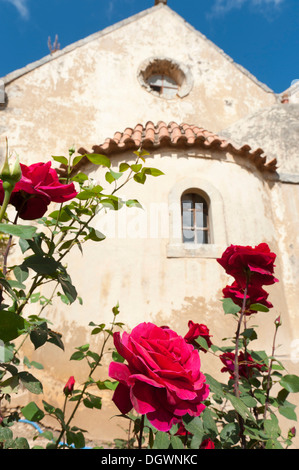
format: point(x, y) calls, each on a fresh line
point(247, 264)
point(255, 295)
point(38, 186)
point(69, 386)
point(162, 377)
point(196, 330)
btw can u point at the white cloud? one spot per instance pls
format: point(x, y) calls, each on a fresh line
point(21, 6)
point(224, 6)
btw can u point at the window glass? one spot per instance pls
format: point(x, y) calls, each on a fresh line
point(163, 84)
point(194, 218)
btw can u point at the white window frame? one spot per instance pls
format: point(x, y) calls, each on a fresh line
point(217, 226)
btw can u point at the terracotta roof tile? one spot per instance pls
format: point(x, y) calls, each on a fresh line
point(151, 137)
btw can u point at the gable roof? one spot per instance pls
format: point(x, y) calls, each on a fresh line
point(151, 137)
point(48, 58)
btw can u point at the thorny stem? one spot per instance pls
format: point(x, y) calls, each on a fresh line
point(236, 365)
point(65, 427)
point(269, 373)
point(141, 432)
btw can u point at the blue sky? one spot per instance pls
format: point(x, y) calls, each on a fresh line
point(261, 35)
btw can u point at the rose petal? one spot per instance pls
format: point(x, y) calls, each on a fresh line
point(121, 398)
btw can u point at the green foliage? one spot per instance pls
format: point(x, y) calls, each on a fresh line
point(44, 246)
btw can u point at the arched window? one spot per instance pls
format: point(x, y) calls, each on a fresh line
point(195, 218)
point(196, 231)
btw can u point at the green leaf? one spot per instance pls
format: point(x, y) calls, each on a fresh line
point(259, 307)
point(31, 383)
point(76, 439)
point(136, 168)
point(22, 231)
point(202, 342)
point(24, 245)
point(194, 425)
point(161, 440)
point(61, 216)
point(111, 176)
point(20, 443)
point(98, 159)
point(95, 235)
point(80, 177)
point(230, 433)
point(68, 288)
point(39, 335)
point(106, 385)
point(215, 386)
point(32, 412)
point(141, 153)
point(140, 178)
point(288, 411)
point(209, 422)
point(62, 160)
point(133, 203)
point(230, 307)
point(41, 264)
point(152, 171)
point(5, 434)
point(48, 408)
point(77, 356)
point(92, 401)
point(239, 406)
point(21, 274)
point(249, 401)
point(176, 443)
point(290, 383)
point(35, 364)
point(250, 334)
point(124, 167)
point(11, 326)
point(77, 159)
point(10, 385)
point(55, 338)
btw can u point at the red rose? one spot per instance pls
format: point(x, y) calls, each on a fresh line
point(207, 444)
point(38, 186)
point(255, 295)
point(246, 364)
point(162, 378)
point(69, 386)
point(182, 431)
point(196, 330)
point(248, 264)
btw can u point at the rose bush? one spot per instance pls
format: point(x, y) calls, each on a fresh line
point(162, 377)
point(38, 186)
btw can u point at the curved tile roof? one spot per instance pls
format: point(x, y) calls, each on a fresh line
point(177, 136)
